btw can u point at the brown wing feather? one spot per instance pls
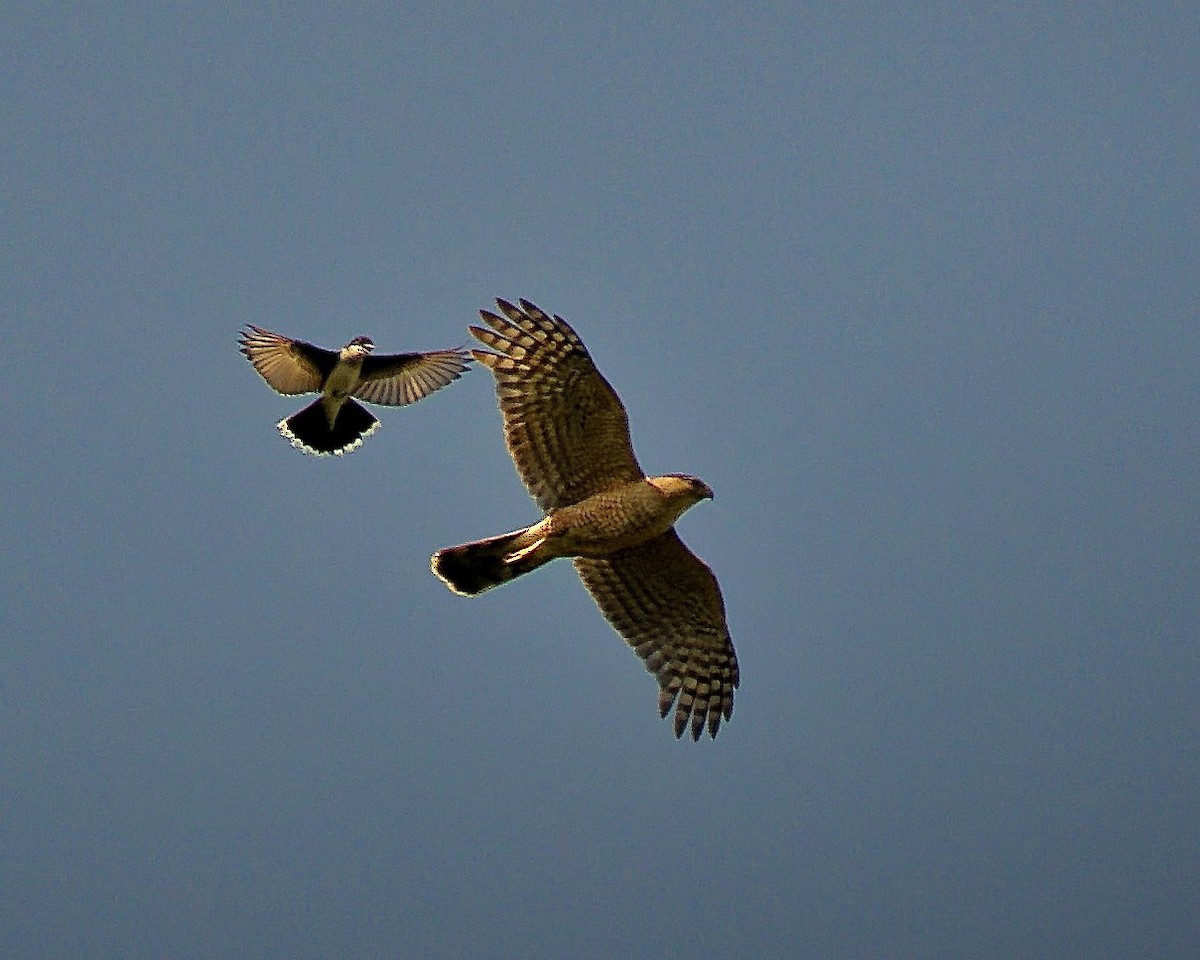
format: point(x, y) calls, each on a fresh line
point(666, 603)
point(565, 426)
point(398, 378)
point(289, 366)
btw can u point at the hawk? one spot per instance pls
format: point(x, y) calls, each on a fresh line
point(334, 423)
point(568, 436)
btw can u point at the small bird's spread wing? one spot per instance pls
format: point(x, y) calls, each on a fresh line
point(289, 366)
point(565, 426)
point(399, 378)
point(665, 602)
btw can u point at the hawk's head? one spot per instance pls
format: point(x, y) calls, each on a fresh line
point(685, 487)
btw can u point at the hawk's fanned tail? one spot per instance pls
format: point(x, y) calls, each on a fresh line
point(309, 429)
point(472, 568)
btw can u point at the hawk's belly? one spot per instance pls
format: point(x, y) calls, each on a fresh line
point(614, 520)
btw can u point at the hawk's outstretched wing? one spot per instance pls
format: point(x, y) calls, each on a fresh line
point(399, 378)
point(565, 426)
point(289, 366)
point(665, 602)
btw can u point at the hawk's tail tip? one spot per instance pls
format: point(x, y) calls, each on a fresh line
point(472, 568)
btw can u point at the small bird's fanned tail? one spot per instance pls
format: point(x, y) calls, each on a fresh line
point(472, 568)
point(309, 430)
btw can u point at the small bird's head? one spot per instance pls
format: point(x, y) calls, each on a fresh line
point(358, 348)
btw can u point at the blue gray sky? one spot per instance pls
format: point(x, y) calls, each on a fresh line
point(913, 287)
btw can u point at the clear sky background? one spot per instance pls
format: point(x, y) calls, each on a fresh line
point(914, 287)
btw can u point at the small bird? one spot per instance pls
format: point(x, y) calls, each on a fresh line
point(568, 435)
point(334, 423)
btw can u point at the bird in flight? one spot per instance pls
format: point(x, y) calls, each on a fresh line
point(335, 423)
point(568, 435)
